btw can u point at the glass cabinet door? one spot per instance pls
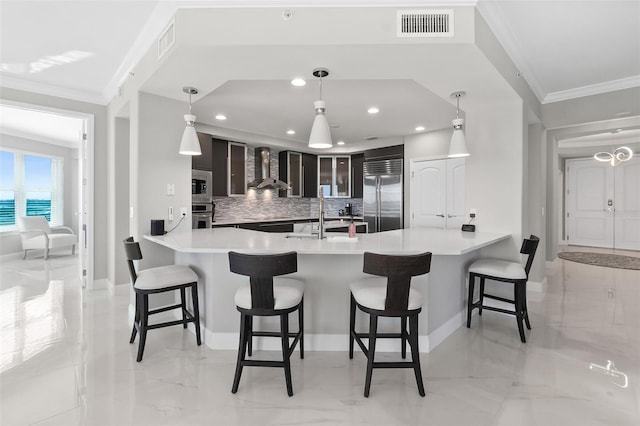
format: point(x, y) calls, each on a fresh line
point(334, 174)
point(237, 169)
point(343, 176)
point(295, 174)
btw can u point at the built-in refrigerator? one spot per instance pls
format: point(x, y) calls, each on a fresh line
point(382, 194)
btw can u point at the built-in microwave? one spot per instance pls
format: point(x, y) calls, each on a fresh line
point(201, 185)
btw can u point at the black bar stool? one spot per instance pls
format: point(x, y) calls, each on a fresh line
point(263, 297)
point(159, 280)
point(393, 298)
point(508, 272)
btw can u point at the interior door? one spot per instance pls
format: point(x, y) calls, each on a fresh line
point(428, 194)
point(627, 205)
point(456, 213)
point(589, 203)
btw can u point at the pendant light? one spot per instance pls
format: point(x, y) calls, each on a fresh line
point(320, 136)
point(458, 145)
point(190, 144)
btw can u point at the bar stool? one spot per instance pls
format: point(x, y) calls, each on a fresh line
point(392, 297)
point(263, 297)
point(508, 272)
point(160, 280)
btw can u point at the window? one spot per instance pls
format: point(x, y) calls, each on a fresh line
point(30, 185)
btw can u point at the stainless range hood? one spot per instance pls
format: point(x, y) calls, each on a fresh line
point(263, 178)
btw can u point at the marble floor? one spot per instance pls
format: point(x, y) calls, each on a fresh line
point(65, 360)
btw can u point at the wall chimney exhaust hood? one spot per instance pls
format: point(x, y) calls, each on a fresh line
point(263, 178)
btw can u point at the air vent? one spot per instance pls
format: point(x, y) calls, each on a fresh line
point(425, 23)
point(167, 39)
point(370, 138)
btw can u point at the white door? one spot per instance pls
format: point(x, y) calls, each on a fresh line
point(627, 205)
point(437, 193)
point(589, 203)
point(455, 193)
point(428, 194)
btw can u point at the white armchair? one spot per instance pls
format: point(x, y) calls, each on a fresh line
point(38, 235)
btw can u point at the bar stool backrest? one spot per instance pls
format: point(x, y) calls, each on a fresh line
point(399, 270)
point(132, 251)
point(261, 269)
point(529, 247)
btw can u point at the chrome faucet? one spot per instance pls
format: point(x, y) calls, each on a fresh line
point(321, 216)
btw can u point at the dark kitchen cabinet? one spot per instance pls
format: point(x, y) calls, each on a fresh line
point(309, 175)
point(205, 160)
point(357, 162)
point(290, 171)
point(219, 150)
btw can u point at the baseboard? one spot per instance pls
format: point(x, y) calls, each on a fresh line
point(549, 264)
point(537, 287)
point(11, 256)
point(119, 289)
point(445, 330)
point(101, 284)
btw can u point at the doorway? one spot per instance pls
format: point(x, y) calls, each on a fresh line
point(75, 130)
point(602, 204)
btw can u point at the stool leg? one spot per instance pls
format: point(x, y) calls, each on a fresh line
point(403, 336)
point(524, 305)
point(352, 325)
point(481, 295)
point(144, 321)
point(284, 326)
point(136, 320)
point(183, 306)
point(196, 311)
point(242, 347)
point(415, 353)
point(301, 325)
point(250, 335)
point(519, 310)
point(472, 282)
point(373, 331)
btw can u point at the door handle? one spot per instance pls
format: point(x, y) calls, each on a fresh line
point(440, 215)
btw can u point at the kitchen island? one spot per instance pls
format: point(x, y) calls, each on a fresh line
point(328, 266)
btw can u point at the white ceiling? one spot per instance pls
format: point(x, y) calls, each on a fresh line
point(85, 50)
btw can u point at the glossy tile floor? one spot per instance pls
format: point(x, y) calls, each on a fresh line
point(65, 360)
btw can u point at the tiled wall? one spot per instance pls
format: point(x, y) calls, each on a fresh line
point(266, 202)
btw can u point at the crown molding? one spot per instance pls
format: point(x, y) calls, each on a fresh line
point(498, 22)
point(593, 89)
point(17, 83)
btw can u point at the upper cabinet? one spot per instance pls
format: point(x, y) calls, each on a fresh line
point(205, 160)
point(300, 171)
point(334, 173)
point(357, 163)
point(220, 151)
point(237, 169)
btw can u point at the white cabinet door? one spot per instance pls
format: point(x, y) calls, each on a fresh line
point(589, 203)
point(627, 205)
point(437, 193)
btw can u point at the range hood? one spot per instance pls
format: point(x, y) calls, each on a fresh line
point(263, 178)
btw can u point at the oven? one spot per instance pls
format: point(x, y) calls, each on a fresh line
point(202, 215)
point(201, 186)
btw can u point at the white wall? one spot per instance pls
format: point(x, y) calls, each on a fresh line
point(535, 197)
point(157, 124)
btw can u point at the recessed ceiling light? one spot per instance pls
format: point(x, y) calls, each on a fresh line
point(419, 128)
point(291, 132)
point(340, 142)
point(221, 117)
point(373, 110)
point(298, 82)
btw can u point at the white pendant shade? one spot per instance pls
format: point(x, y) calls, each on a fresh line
point(190, 144)
point(458, 145)
point(320, 136)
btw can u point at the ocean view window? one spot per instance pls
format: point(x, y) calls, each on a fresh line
point(30, 185)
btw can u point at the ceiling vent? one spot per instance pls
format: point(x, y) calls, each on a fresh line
point(425, 23)
point(167, 39)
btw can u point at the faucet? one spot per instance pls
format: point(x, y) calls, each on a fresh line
point(321, 216)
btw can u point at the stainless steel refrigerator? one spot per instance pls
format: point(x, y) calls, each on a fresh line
point(382, 194)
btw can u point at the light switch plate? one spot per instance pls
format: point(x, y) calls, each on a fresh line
point(171, 189)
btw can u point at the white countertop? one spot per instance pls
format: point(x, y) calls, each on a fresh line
point(411, 240)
